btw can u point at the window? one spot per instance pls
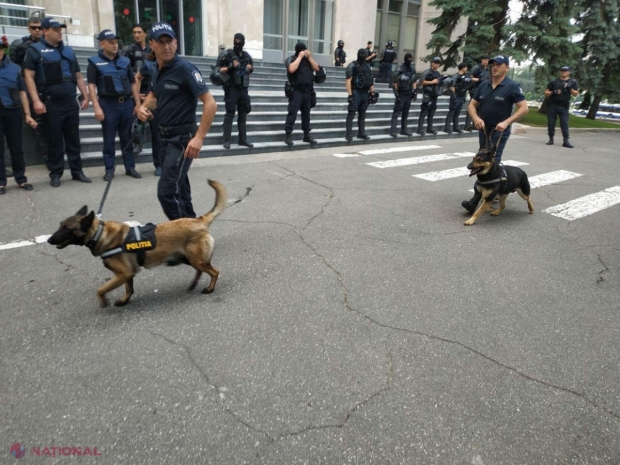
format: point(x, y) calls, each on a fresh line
point(323, 21)
point(192, 27)
point(272, 24)
point(147, 12)
point(297, 23)
point(395, 6)
point(411, 30)
point(413, 10)
point(393, 28)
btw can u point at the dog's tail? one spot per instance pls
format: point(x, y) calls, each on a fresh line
point(220, 202)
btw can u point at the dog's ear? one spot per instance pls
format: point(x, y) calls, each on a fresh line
point(87, 221)
point(82, 211)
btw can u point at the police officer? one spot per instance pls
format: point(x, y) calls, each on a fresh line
point(359, 83)
point(405, 91)
point(300, 70)
point(370, 54)
point(175, 86)
point(388, 56)
point(491, 111)
point(340, 56)
point(13, 103)
point(110, 80)
point(52, 72)
point(479, 74)
point(458, 90)
point(238, 64)
point(559, 93)
point(431, 88)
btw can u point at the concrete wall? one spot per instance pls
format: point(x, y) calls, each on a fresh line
point(359, 26)
point(85, 18)
point(225, 18)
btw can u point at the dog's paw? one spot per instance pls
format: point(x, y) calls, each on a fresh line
point(103, 303)
point(191, 287)
point(469, 222)
point(495, 212)
point(121, 303)
point(206, 291)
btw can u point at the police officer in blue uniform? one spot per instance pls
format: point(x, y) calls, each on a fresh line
point(300, 70)
point(52, 73)
point(388, 56)
point(405, 91)
point(491, 111)
point(13, 103)
point(458, 90)
point(359, 83)
point(479, 74)
point(175, 87)
point(110, 80)
point(559, 93)
point(238, 64)
point(431, 88)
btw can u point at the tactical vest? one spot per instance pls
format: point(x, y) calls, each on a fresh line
point(340, 53)
point(112, 78)
point(433, 90)
point(303, 77)
point(54, 64)
point(9, 93)
point(462, 85)
point(240, 76)
point(362, 76)
point(562, 99)
point(405, 79)
point(388, 55)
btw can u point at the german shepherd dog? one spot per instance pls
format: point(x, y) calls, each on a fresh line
point(186, 239)
point(496, 180)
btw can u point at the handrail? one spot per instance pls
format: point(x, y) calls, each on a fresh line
point(13, 6)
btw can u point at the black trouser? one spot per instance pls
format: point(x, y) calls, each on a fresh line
point(553, 111)
point(402, 104)
point(173, 190)
point(301, 100)
point(384, 71)
point(39, 133)
point(454, 112)
point(62, 124)
point(336, 63)
point(360, 105)
point(428, 107)
point(11, 127)
point(156, 139)
point(236, 99)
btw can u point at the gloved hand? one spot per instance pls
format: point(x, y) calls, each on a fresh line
point(414, 96)
point(350, 99)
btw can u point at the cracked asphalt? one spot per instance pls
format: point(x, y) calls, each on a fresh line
point(355, 321)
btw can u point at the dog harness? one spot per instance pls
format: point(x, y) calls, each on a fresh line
point(501, 178)
point(139, 239)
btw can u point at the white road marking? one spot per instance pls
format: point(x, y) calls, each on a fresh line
point(400, 149)
point(345, 155)
point(419, 160)
point(15, 245)
point(457, 172)
point(587, 205)
point(547, 179)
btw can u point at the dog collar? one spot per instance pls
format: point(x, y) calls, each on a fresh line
point(93, 241)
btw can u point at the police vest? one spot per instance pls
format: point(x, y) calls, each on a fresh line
point(19, 48)
point(240, 76)
point(112, 75)
point(9, 94)
point(431, 89)
point(340, 53)
point(54, 64)
point(562, 99)
point(303, 77)
point(404, 81)
point(362, 76)
point(388, 55)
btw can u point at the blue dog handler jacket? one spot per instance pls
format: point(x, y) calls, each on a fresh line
point(112, 75)
point(54, 64)
point(9, 92)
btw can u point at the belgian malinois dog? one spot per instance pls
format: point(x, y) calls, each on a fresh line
point(186, 239)
point(496, 180)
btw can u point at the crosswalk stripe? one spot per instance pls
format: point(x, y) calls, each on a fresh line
point(457, 172)
point(547, 179)
point(419, 160)
point(345, 155)
point(399, 149)
point(584, 206)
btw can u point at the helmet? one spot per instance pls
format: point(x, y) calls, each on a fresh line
point(390, 43)
point(217, 78)
point(320, 76)
point(340, 43)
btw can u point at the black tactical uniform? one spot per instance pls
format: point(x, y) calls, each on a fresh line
point(558, 104)
point(236, 94)
point(481, 73)
point(361, 81)
point(388, 56)
point(404, 78)
point(299, 95)
point(429, 99)
point(340, 56)
point(460, 83)
point(18, 49)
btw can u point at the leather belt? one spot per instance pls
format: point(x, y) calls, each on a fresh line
point(119, 99)
point(172, 131)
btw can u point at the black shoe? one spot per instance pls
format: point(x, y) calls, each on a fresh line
point(246, 143)
point(9, 174)
point(406, 133)
point(363, 136)
point(26, 186)
point(567, 144)
point(349, 138)
point(2, 190)
point(158, 171)
point(309, 139)
point(226, 144)
point(393, 134)
point(133, 174)
point(82, 178)
point(288, 140)
point(55, 182)
point(421, 133)
point(469, 205)
point(430, 131)
point(108, 176)
point(447, 132)
point(550, 141)
point(460, 131)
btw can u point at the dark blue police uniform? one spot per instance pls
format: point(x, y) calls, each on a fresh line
point(302, 83)
point(56, 71)
point(113, 79)
point(146, 71)
point(495, 106)
point(385, 64)
point(461, 84)
point(361, 82)
point(482, 74)
point(558, 105)
point(176, 87)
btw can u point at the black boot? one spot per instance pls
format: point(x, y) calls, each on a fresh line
point(350, 117)
point(420, 130)
point(455, 124)
point(309, 139)
point(241, 124)
point(429, 128)
point(394, 122)
point(446, 127)
point(227, 129)
point(361, 127)
point(567, 144)
point(289, 139)
point(403, 129)
point(472, 204)
point(550, 141)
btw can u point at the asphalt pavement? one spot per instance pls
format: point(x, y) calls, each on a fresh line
point(356, 320)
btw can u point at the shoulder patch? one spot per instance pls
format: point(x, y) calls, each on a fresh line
point(197, 77)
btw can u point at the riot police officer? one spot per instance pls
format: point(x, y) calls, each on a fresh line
point(175, 86)
point(559, 93)
point(238, 64)
point(340, 56)
point(388, 56)
point(110, 80)
point(479, 74)
point(458, 90)
point(404, 85)
point(52, 73)
point(359, 83)
point(300, 69)
point(431, 88)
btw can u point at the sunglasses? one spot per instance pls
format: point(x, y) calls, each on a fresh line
point(35, 28)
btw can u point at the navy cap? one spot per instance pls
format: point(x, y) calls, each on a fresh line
point(500, 59)
point(106, 34)
point(161, 29)
point(565, 68)
point(51, 22)
point(437, 60)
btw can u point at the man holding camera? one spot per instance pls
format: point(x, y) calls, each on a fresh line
point(238, 64)
point(458, 90)
point(559, 92)
point(431, 88)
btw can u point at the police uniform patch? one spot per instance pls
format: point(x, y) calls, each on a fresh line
point(197, 76)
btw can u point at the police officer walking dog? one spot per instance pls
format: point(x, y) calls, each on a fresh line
point(431, 88)
point(388, 56)
point(359, 83)
point(110, 80)
point(238, 64)
point(405, 91)
point(458, 90)
point(175, 86)
point(559, 92)
point(300, 69)
point(52, 72)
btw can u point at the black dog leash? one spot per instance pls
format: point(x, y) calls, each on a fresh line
point(105, 194)
point(489, 139)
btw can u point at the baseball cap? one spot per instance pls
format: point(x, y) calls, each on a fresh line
point(162, 29)
point(437, 60)
point(500, 59)
point(106, 34)
point(51, 22)
point(565, 68)
point(485, 57)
